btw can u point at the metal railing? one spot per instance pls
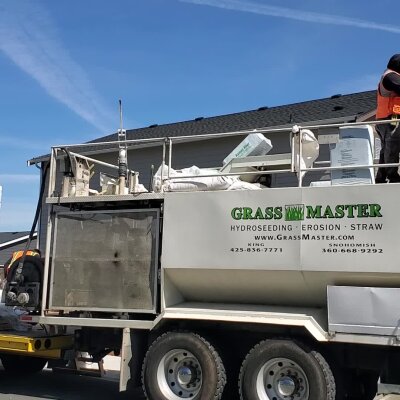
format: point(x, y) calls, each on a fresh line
point(167, 144)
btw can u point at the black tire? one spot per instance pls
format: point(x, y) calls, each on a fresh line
point(232, 360)
point(22, 365)
point(212, 372)
point(308, 366)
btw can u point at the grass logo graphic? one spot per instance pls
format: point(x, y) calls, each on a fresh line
point(301, 212)
point(294, 212)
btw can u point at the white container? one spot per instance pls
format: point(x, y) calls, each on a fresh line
point(255, 144)
point(320, 183)
point(355, 147)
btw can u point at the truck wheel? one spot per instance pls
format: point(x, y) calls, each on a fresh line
point(24, 365)
point(281, 370)
point(182, 365)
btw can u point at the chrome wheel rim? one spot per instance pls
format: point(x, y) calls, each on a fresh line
point(179, 375)
point(282, 379)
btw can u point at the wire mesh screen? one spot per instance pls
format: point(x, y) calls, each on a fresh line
point(105, 261)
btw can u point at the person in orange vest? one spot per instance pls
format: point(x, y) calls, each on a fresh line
point(388, 107)
point(15, 258)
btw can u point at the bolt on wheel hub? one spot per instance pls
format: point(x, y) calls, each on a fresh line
point(286, 386)
point(282, 379)
point(179, 375)
point(185, 375)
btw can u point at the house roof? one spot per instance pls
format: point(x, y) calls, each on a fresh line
point(8, 239)
point(14, 241)
point(344, 108)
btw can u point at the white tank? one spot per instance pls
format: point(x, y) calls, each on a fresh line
point(279, 246)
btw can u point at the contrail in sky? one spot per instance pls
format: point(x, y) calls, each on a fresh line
point(29, 37)
point(288, 13)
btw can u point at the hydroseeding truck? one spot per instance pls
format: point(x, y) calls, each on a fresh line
point(258, 293)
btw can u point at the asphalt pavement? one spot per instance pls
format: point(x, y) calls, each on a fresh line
point(60, 386)
point(56, 386)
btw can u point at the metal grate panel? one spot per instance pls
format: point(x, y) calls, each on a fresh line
point(105, 261)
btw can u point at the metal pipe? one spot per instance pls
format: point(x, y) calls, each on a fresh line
point(322, 162)
point(52, 174)
point(47, 259)
point(162, 167)
point(292, 138)
point(178, 138)
point(112, 142)
point(169, 157)
point(300, 176)
point(227, 134)
point(94, 160)
point(275, 171)
point(351, 167)
point(338, 125)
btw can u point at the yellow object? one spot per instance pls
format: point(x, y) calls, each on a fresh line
point(44, 346)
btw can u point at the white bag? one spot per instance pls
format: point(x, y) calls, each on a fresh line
point(196, 183)
point(310, 150)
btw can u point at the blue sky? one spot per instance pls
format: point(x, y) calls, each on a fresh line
point(65, 64)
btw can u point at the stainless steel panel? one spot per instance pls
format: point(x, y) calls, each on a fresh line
point(364, 310)
point(105, 261)
point(229, 245)
point(104, 198)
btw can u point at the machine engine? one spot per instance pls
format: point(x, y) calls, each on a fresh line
point(23, 289)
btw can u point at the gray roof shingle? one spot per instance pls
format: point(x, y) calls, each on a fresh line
point(315, 110)
point(5, 237)
point(345, 107)
point(8, 236)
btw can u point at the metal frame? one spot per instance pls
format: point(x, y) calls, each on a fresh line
point(248, 314)
point(105, 198)
point(294, 131)
point(164, 142)
point(155, 267)
point(97, 322)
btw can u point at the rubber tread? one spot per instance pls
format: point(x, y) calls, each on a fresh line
point(329, 378)
point(217, 359)
point(244, 362)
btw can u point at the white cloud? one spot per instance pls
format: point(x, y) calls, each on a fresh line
point(29, 38)
point(298, 15)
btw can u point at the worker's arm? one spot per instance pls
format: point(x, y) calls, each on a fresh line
point(392, 82)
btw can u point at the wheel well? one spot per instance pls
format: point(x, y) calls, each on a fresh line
point(355, 368)
point(243, 336)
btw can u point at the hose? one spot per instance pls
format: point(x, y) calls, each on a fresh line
point(18, 273)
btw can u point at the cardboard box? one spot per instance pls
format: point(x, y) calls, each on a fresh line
point(255, 144)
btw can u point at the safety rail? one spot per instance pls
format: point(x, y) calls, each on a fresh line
point(168, 142)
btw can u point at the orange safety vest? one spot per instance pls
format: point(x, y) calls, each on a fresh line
point(388, 101)
point(19, 254)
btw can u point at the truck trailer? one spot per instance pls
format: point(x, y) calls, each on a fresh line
point(260, 293)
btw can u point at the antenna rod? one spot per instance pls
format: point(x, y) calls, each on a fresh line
point(120, 115)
